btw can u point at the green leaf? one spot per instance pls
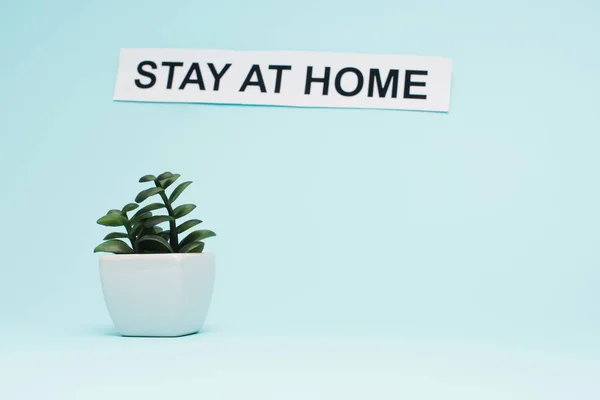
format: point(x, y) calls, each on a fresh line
point(165, 234)
point(110, 212)
point(147, 178)
point(114, 246)
point(149, 207)
point(140, 217)
point(187, 225)
point(153, 230)
point(130, 207)
point(138, 223)
point(178, 190)
point(155, 242)
point(194, 247)
point(198, 249)
point(146, 231)
point(138, 229)
point(112, 220)
point(159, 219)
point(168, 182)
point(163, 176)
point(197, 235)
point(183, 210)
point(116, 235)
point(144, 194)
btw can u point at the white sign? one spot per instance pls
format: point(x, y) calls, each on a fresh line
point(285, 78)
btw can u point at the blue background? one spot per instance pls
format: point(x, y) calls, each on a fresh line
point(361, 253)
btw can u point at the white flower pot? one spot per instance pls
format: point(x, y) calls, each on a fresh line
point(158, 294)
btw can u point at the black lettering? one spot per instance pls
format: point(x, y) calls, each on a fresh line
point(279, 69)
point(194, 69)
point(408, 83)
point(260, 82)
point(217, 75)
point(359, 84)
point(171, 66)
point(310, 79)
point(382, 89)
point(147, 74)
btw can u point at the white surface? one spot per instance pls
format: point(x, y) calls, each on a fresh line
point(224, 365)
point(158, 294)
point(292, 82)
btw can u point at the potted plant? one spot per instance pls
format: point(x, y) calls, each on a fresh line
point(156, 282)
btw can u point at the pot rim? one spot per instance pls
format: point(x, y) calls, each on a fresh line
point(156, 255)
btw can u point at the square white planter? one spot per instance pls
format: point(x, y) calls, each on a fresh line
point(158, 294)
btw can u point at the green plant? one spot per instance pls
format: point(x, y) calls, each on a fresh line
point(142, 230)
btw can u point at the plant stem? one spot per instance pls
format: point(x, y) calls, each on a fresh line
point(128, 229)
point(172, 226)
point(131, 238)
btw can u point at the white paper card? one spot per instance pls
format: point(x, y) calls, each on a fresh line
point(285, 78)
